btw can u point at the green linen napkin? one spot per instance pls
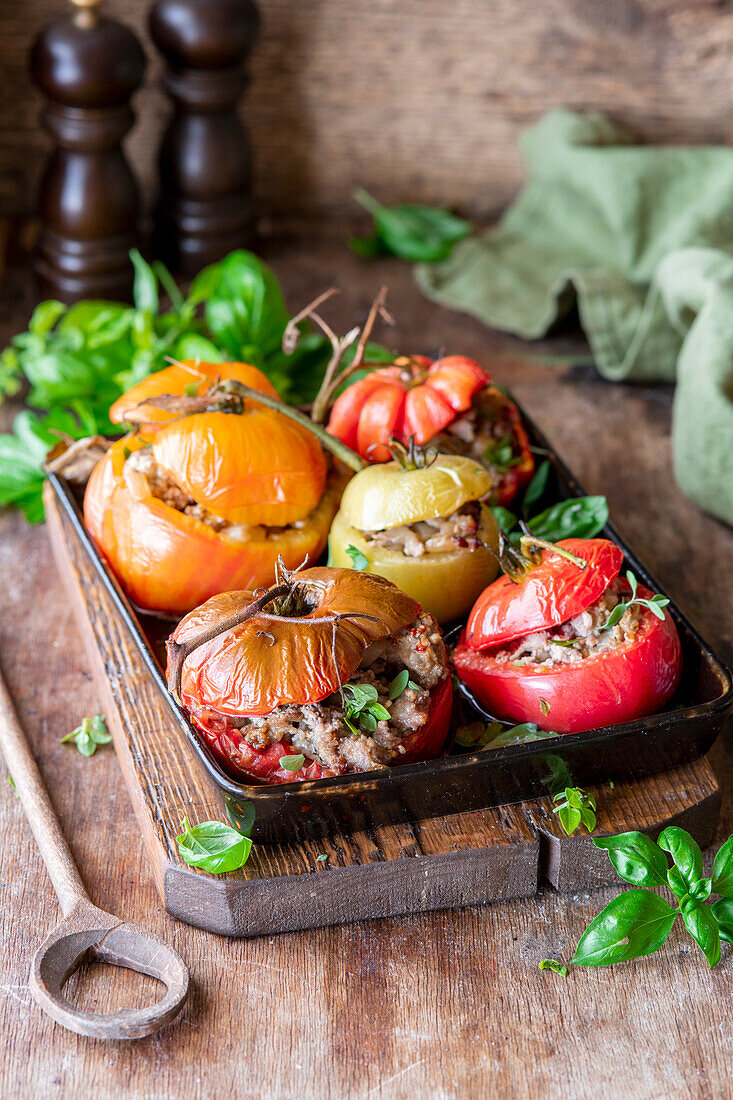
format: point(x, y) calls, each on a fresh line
point(642, 238)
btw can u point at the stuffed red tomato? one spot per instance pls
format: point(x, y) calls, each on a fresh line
point(450, 402)
point(331, 671)
point(568, 643)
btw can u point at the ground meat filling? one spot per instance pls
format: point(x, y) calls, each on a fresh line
point(460, 530)
point(319, 730)
point(578, 638)
point(163, 487)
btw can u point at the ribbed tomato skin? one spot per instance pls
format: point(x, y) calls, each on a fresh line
point(633, 680)
point(551, 593)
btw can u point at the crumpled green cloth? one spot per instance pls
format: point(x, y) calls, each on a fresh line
point(642, 237)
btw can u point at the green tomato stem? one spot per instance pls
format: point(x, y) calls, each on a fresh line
point(331, 443)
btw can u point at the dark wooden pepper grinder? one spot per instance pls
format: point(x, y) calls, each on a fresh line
point(88, 67)
point(204, 207)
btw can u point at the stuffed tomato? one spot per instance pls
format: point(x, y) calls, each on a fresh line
point(209, 491)
point(421, 525)
point(569, 644)
point(450, 402)
point(331, 671)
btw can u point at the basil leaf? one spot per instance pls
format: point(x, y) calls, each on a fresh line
point(582, 517)
point(684, 851)
point(636, 858)
point(243, 305)
point(722, 910)
point(45, 316)
point(723, 870)
point(399, 684)
point(419, 234)
point(292, 762)
point(358, 560)
point(145, 286)
point(634, 924)
point(536, 487)
point(213, 846)
point(505, 519)
point(703, 927)
point(676, 883)
point(569, 817)
point(555, 966)
point(518, 735)
point(380, 712)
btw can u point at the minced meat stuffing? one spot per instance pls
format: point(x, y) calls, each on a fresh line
point(583, 633)
point(432, 536)
point(319, 730)
point(163, 487)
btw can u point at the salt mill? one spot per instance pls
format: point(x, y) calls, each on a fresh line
point(88, 67)
point(204, 207)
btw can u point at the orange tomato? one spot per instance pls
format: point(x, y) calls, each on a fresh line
point(255, 468)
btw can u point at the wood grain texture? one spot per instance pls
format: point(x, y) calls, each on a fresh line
point(416, 99)
point(447, 1004)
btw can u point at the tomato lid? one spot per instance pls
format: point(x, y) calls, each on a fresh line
point(551, 592)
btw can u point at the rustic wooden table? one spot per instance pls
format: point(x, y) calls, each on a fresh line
point(442, 1005)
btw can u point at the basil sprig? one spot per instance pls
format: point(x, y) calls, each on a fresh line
point(656, 604)
point(638, 922)
point(419, 234)
point(362, 708)
point(89, 735)
point(576, 807)
point(213, 846)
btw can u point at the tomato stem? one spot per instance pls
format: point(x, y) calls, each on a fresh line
point(530, 540)
point(335, 446)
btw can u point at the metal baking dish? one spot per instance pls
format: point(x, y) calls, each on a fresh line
point(462, 780)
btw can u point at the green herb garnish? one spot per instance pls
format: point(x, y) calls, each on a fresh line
point(556, 967)
point(576, 807)
point(358, 560)
point(362, 707)
point(293, 762)
point(400, 684)
point(656, 604)
point(89, 735)
point(418, 234)
point(213, 846)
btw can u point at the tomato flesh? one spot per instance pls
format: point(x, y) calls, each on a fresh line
point(617, 685)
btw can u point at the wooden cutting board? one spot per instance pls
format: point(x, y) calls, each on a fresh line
point(464, 859)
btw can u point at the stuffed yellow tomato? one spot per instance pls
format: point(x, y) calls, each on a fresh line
point(421, 524)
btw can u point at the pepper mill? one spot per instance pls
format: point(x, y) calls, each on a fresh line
point(204, 207)
point(88, 68)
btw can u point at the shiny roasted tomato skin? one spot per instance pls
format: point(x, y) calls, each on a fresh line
point(633, 680)
point(412, 398)
point(243, 761)
point(551, 593)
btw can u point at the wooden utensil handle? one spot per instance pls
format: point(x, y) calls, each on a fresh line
point(37, 806)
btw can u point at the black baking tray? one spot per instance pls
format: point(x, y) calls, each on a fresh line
point(459, 781)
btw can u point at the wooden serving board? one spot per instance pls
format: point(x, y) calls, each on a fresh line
point(463, 859)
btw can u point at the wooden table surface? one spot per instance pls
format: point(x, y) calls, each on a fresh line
point(441, 1005)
